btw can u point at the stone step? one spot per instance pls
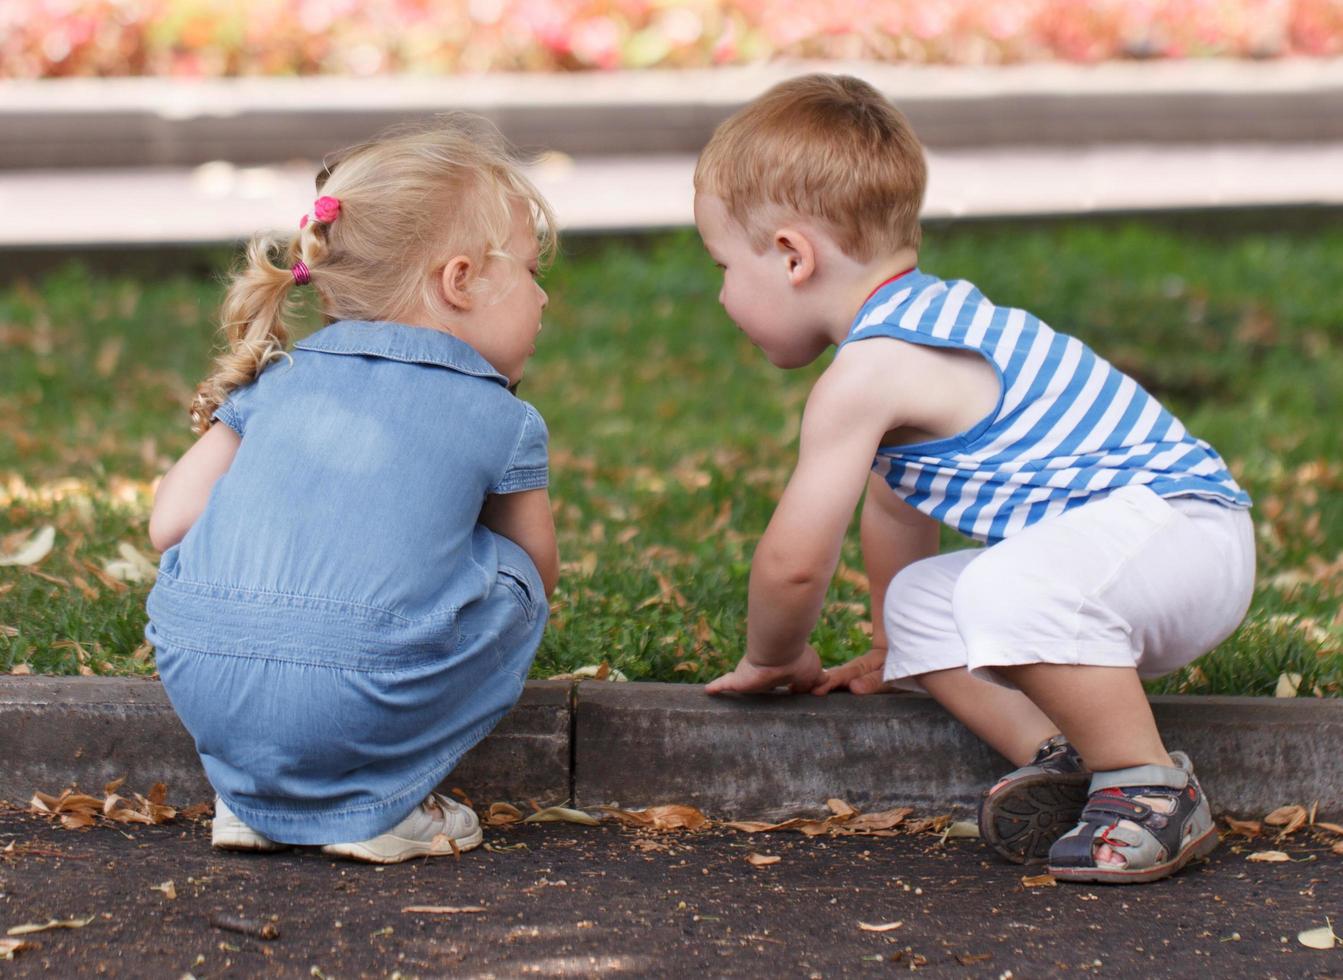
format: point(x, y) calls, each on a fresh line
point(223, 203)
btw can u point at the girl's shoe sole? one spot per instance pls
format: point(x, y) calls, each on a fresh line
point(1201, 847)
point(393, 851)
point(247, 842)
point(1022, 821)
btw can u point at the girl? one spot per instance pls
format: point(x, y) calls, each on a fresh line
point(359, 547)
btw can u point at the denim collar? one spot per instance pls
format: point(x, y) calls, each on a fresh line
point(401, 342)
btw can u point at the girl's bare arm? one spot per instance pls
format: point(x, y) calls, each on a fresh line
point(526, 520)
point(186, 487)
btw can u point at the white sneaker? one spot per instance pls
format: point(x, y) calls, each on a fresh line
point(431, 830)
point(228, 833)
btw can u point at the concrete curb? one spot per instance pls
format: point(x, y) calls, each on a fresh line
point(150, 122)
point(641, 744)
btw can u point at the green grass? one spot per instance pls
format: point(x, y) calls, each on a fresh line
point(672, 437)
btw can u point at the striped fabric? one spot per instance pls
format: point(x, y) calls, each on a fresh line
point(1068, 426)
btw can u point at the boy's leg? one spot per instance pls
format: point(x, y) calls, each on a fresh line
point(1028, 809)
point(1007, 720)
point(1070, 611)
point(1102, 710)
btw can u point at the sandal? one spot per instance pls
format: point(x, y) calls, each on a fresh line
point(1026, 811)
point(1155, 820)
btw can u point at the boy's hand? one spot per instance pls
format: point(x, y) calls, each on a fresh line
point(861, 675)
point(799, 676)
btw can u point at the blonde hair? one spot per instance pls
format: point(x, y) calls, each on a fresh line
point(825, 147)
point(407, 199)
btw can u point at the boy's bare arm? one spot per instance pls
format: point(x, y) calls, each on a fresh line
point(894, 536)
point(846, 416)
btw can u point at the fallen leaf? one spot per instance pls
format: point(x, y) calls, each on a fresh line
point(1290, 818)
point(1272, 857)
point(594, 672)
point(1333, 828)
point(502, 814)
point(962, 828)
point(841, 809)
point(20, 670)
point(761, 860)
point(1247, 828)
point(757, 826)
point(131, 567)
point(880, 927)
point(1337, 848)
point(114, 785)
point(670, 816)
point(561, 814)
point(879, 820)
point(30, 928)
point(970, 959)
point(1288, 685)
point(1039, 881)
point(8, 947)
point(444, 909)
point(1321, 938)
point(168, 888)
point(33, 550)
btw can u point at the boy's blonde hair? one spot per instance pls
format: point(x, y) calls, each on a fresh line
point(829, 148)
point(407, 199)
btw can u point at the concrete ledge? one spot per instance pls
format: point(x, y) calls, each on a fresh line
point(140, 122)
point(59, 731)
point(769, 756)
point(641, 744)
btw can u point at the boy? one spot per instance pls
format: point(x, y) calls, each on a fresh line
point(1119, 547)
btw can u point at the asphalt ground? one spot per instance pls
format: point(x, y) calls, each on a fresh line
point(575, 900)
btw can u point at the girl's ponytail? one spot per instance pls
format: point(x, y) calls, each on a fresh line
point(252, 318)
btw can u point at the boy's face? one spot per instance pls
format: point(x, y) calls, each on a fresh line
point(756, 293)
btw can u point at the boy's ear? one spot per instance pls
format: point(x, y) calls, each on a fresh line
point(798, 253)
point(455, 282)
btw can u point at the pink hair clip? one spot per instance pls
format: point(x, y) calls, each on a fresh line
point(326, 209)
point(301, 273)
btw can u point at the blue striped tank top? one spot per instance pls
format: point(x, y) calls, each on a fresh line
point(1068, 427)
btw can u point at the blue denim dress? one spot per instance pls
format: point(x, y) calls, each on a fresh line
point(337, 628)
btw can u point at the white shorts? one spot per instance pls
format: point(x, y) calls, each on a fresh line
point(1130, 580)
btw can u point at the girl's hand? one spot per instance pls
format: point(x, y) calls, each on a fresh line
point(861, 675)
point(799, 676)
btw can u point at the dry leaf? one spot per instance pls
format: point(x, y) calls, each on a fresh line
point(1039, 881)
point(880, 820)
point(1248, 828)
point(502, 814)
point(168, 888)
point(8, 947)
point(761, 860)
point(1272, 857)
point(1290, 818)
point(30, 928)
point(20, 670)
point(841, 809)
point(1333, 828)
point(595, 672)
point(561, 814)
point(962, 828)
point(1337, 848)
point(1321, 938)
point(881, 927)
point(1288, 685)
point(33, 550)
point(444, 909)
point(113, 786)
point(131, 567)
point(670, 816)
point(757, 826)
